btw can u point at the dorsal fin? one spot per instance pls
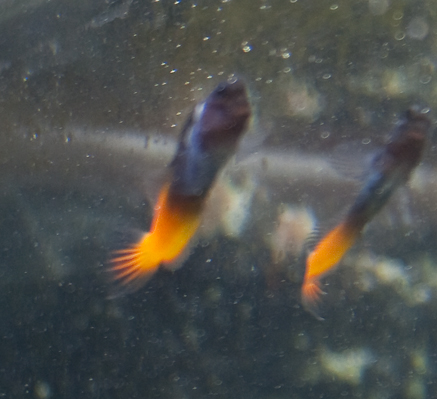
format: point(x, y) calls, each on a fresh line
point(353, 159)
point(313, 239)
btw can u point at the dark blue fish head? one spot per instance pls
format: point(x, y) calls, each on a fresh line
point(223, 117)
point(392, 166)
point(409, 138)
point(209, 138)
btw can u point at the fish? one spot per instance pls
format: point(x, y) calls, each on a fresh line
point(390, 168)
point(208, 139)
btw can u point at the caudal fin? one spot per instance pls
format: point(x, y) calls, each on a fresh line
point(310, 296)
point(133, 267)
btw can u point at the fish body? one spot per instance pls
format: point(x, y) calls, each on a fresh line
point(208, 139)
point(390, 168)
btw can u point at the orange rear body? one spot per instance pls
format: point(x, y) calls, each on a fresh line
point(174, 224)
point(324, 258)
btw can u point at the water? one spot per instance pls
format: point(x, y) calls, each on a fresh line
point(93, 96)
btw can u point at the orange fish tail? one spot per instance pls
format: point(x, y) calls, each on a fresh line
point(136, 265)
point(323, 259)
point(310, 296)
point(174, 224)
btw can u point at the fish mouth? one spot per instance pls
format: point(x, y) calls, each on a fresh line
point(234, 91)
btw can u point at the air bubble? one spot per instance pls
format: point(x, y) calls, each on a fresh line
point(399, 35)
point(418, 28)
point(246, 47)
point(398, 15)
point(425, 79)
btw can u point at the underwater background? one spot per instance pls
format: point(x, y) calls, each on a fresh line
point(93, 95)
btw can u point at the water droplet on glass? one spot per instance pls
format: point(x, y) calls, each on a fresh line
point(418, 28)
point(246, 47)
point(398, 15)
point(399, 35)
point(425, 79)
